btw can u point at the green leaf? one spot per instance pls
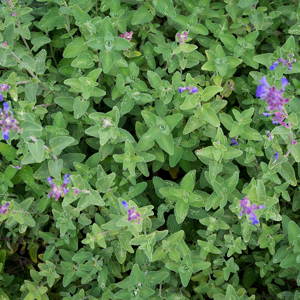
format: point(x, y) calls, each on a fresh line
point(288, 173)
point(295, 150)
point(8, 151)
point(74, 48)
point(79, 14)
point(185, 48)
point(80, 107)
point(185, 273)
point(141, 16)
point(59, 143)
point(51, 19)
point(165, 7)
point(37, 150)
point(210, 91)
point(65, 102)
point(231, 293)
point(210, 116)
point(188, 181)
point(265, 59)
point(93, 198)
point(38, 40)
point(295, 29)
point(40, 60)
point(165, 142)
point(55, 167)
point(199, 29)
point(83, 61)
point(154, 79)
point(246, 3)
point(181, 210)
point(293, 233)
point(193, 123)
point(289, 46)
point(190, 102)
point(107, 59)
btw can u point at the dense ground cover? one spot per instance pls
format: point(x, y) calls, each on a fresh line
point(149, 149)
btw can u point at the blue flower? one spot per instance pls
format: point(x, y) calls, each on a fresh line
point(274, 66)
point(181, 89)
point(125, 204)
point(234, 142)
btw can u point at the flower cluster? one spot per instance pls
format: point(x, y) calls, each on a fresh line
point(58, 191)
point(191, 89)
point(249, 209)
point(274, 99)
point(182, 37)
point(7, 120)
point(126, 35)
point(132, 213)
point(286, 62)
point(4, 208)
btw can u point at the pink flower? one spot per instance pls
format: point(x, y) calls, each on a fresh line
point(58, 191)
point(182, 37)
point(126, 35)
point(132, 214)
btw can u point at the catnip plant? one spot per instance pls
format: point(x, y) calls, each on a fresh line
point(179, 122)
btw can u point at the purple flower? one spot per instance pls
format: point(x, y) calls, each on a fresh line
point(274, 99)
point(279, 118)
point(67, 178)
point(132, 214)
point(76, 191)
point(274, 65)
point(17, 167)
point(233, 142)
point(249, 209)
point(1, 98)
point(4, 208)
point(7, 121)
point(253, 219)
point(271, 95)
point(4, 87)
point(13, 14)
point(284, 82)
point(276, 155)
point(191, 89)
point(126, 35)
point(267, 114)
point(181, 89)
point(182, 37)
point(58, 191)
point(286, 62)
